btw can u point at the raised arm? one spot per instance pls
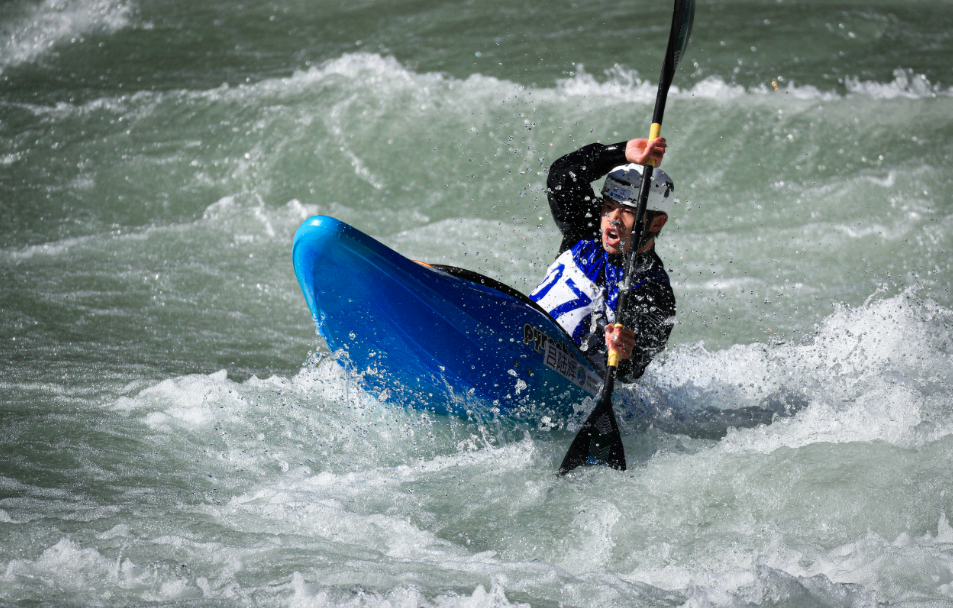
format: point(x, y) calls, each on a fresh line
point(573, 203)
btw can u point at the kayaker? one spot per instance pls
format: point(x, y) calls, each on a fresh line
point(581, 287)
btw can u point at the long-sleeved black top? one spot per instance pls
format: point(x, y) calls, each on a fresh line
point(650, 310)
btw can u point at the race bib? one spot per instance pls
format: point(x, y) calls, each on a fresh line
point(569, 295)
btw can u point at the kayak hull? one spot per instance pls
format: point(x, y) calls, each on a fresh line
point(420, 337)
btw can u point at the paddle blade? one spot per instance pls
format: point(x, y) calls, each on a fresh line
point(682, 30)
point(598, 441)
point(683, 17)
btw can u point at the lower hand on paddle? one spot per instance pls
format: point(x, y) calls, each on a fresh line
point(640, 150)
point(620, 339)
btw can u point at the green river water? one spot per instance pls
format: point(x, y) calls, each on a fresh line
point(172, 432)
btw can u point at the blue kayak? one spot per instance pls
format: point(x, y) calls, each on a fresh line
point(439, 338)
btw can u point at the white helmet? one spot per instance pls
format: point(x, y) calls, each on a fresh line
point(623, 183)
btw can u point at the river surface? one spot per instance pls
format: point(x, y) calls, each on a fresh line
point(172, 432)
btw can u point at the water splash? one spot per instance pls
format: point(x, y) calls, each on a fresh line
point(53, 23)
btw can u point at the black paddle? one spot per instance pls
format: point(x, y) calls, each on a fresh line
point(598, 441)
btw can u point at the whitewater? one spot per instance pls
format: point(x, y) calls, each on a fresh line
point(173, 432)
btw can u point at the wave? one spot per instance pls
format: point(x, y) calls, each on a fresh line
point(313, 462)
point(55, 22)
point(619, 83)
point(623, 84)
point(385, 75)
point(878, 372)
point(906, 84)
point(241, 218)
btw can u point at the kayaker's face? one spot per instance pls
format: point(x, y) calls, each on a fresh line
point(617, 223)
point(616, 226)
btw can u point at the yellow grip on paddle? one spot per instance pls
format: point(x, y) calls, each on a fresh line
point(614, 355)
point(654, 131)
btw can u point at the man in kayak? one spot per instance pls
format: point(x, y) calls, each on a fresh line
point(581, 287)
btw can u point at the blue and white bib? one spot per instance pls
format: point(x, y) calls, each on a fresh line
point(581, 289)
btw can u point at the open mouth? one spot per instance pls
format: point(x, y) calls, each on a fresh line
point(611, 237)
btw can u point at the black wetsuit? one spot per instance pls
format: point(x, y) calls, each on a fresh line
point(651, 304)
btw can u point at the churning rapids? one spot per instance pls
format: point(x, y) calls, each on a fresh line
point(172, 432)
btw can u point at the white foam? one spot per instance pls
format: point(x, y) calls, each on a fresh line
point(865, 375)
point(618, 83)
point(323, 511)
point(316, 595)
point(344, 533)
point(55, 22)
point(68, 567)
point(905, 565)
point(384, 76)
point(883, 412)
point(622, 84)
point(763, 585)
point(906, 84)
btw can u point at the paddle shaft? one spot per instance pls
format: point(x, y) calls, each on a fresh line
point(683, 17)
point(599, 440)
point(639, 229)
